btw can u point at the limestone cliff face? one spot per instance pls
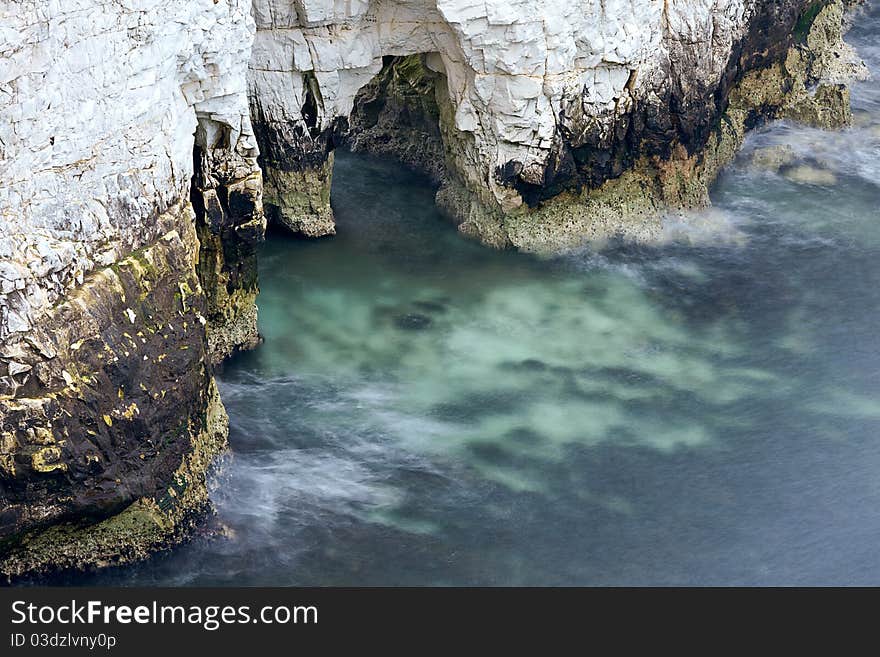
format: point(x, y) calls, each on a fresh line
point(538, 104)
point(107, 404)
point(100, 102)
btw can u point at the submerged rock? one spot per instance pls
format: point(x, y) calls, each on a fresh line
point(810, 175)
point(772, 158)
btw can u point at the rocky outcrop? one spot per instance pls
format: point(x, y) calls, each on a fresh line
point(541, 113)
point(227, 193)
point(109, 416)
point(804, 81)
point(120, 419)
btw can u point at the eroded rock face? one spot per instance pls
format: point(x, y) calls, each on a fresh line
point(538, 108)
point(107, 404)
point(120, 418)
point(397, 115)
point(227, 190)
point(99, 108)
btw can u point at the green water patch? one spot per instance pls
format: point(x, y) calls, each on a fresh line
point(503, 363)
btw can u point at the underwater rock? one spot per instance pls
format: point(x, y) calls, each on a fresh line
point(809, 175)
point(772, 158)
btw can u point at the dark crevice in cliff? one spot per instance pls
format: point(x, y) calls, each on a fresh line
point(229, 224)
point(313, 104)
point(397, 115)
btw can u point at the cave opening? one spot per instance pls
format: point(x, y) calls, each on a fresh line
point(398, 114)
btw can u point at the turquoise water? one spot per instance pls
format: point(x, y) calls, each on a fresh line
point(427, 411)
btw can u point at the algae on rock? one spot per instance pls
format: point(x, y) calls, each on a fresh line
point(120, 404)
point(299, 199)
point(806, 85)
point(227, 195)
point(145, 526)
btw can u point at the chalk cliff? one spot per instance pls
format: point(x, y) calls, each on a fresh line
point(537, 106)
point(139, 138)
point(107, 404)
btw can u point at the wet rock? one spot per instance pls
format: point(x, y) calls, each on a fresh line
point(297, 196)
point(116, 294)
point(827, 107)
point(772, 158)
point(104, 458)
point(229, 231)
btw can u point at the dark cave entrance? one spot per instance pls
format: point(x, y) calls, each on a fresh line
point(398, 114)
